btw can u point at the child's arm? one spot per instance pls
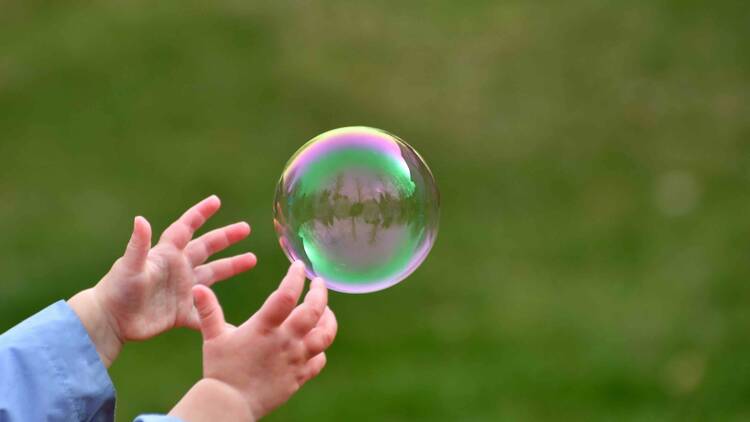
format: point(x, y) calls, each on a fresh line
point(252, 369)
point(148, 290)
point(49, 370)
point(49, 367)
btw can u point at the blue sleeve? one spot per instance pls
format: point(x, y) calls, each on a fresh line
point(50, 371)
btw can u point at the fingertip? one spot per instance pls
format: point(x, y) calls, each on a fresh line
point(318, 282)
point(239, 231)
point(334, 320)
point(203, 293)
point(316, 365)
point(139, 244)
point(294, 281)
point(141, 224)
point(203, 299)
point(329, 320)
point(318, 286)
point(298, 266)
point(199, 294)
point(209, 311)
point(207, 207)
point(248, 260)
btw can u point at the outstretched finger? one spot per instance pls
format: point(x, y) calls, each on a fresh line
point(283, 300)
point(181, 231)
point(198, 250)
point(222, 269)
point(139, 245)
point(211, 316)
point(321, 337)
point(307, 315)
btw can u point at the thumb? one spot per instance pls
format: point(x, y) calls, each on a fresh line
point(209, 311)
point(139, 244)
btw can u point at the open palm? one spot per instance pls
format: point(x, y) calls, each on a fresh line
point(149, 290)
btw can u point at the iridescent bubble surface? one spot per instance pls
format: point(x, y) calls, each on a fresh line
point(359, 206)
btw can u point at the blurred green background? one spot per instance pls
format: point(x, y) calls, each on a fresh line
point(593, 159)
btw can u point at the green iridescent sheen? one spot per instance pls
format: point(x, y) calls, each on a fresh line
point(359, 207)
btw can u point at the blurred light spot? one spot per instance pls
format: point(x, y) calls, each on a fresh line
point(684, 372)
point(677, 193)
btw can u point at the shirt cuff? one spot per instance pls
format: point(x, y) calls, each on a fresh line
point(54, 370)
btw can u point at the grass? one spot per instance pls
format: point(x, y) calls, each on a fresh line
point(592, 158)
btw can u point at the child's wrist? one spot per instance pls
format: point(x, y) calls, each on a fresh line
point(98, 325)
point(211, 400)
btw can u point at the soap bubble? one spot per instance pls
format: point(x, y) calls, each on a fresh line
point(359, 207)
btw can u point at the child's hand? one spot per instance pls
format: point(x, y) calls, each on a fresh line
point(257, 366)
point(148, 290)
